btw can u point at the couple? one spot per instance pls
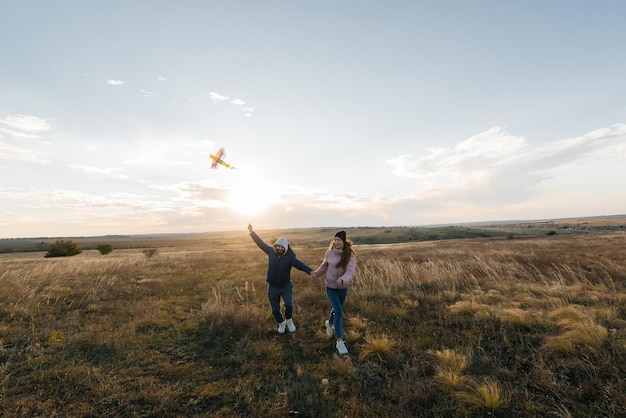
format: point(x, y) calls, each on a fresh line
point(339, 265)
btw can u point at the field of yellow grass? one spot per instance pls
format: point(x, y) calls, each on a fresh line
point(511, 327)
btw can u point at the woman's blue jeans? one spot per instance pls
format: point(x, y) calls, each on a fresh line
point(336, 297)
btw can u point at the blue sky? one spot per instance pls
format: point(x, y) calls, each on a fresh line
point(336, 113)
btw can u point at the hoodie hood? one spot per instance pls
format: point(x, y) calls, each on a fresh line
point(283, 241)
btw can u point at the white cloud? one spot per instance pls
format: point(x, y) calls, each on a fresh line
point(162, 78)
point(209, 196)
point(17, 134)
point(494, 169)
point(490, 144)
point(115, 82)
point(96, 170)
point(105, 171)
point(10, 152)
point(146, 93)
point(494, 153)
point(241, 104)
point(247, 110)
point(67, 198)
point(488, 148)
point(492, 175)
point(26, 123)
point(597, 145)
point(216, 97)
point(342, 201)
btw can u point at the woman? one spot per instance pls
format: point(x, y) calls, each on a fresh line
point(340, 266)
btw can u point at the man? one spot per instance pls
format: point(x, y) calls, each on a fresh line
point(281, 258)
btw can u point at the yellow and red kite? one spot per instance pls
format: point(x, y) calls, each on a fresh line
point(219, 159)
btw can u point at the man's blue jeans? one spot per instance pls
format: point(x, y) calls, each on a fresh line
point(274, 294)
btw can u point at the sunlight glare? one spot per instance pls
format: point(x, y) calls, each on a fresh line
point(250, 198)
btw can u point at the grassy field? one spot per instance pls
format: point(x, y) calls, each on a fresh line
point(319, 236)
point(515, 326)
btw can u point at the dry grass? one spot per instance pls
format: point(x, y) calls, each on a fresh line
point(450, 368)
point(579, 328)
point(450, 379)
point(383, 348)
point(485, 395)
point(498, 327)
point(450, 360)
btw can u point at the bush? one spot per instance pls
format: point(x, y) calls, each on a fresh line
point(150, 252)
point(63, 248)
point(104, 249)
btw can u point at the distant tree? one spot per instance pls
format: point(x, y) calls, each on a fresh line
point(104, 248)
point(63, 248)
point(551, 233)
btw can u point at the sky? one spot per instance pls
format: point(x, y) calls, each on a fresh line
point(335, 113)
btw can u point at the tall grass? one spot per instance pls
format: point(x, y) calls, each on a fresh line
point(497, 327)
point(485, 395)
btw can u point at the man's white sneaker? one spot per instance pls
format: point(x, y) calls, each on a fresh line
point(330, 330)
point(341, 347)
point(281, 327)
point(290, 325)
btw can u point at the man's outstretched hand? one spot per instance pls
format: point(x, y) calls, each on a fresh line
point(250, 227)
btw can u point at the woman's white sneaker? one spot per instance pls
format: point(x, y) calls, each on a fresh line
point(330, 330)
point(290, 325)
point(341, 348)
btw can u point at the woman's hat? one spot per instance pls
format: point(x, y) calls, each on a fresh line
point(341, 235)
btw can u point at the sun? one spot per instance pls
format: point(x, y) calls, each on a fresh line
point(250, 198)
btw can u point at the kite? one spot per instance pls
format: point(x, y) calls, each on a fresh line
point(219, 159)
